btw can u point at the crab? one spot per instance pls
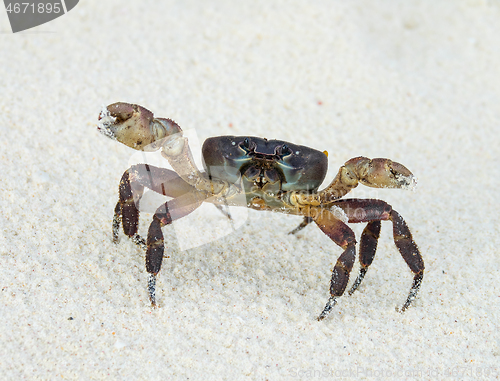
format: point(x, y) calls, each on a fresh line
point(261, 174)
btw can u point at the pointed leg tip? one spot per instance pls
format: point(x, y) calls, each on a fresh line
point(353, 288)
point(404, 307)
point(323, 314)
point(328, 308)
point(152, 299)
point(152, 290)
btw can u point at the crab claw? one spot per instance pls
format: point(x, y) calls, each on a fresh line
point(382, 173)
point(135, 126)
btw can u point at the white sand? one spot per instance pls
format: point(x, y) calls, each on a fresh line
point(418, 82)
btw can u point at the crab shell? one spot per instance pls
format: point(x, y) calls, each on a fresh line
point(272, 165)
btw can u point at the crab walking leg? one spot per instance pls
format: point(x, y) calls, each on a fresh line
point(371, 211)
point(374, 211)
point(117, 219)
point(303, 224)
point(367, 248)
point(132, 184)
point(410, 253)
point(160, 180)
point(167, 213)
point(126, 210)
point(343, 236)
point(167, 182)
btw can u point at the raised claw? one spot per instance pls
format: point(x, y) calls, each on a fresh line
point(381, 173)
point(135, 126)
point(376, 173)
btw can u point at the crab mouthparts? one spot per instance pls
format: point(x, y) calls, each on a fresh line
point(260, 182)
point(261, 176)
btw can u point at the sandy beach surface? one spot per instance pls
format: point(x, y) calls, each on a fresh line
point(417, 82)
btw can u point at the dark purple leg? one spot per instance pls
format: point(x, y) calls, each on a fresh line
point(156, 248)
point(167, 213)
point(367, 248)
point(126, 210)
point(343, 236)
point(410, 253)
point(132, 184)
point(160, 180)
point(374, 211)
point(163, 181)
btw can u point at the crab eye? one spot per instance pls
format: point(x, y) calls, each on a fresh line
point(247, 145)
point(283, 150)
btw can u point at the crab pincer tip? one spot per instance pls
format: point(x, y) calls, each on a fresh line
point(408, 182)
point(105, 121)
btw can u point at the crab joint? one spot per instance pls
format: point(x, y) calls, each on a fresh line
point(174, 145)
point(300, 199)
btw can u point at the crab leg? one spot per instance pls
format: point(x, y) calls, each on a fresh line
point(410, 253)
point(374, 211)
point(307, 220)
point(367, 248)
point(163, 181)
point(343, 236)
point(160, 180)
point(132, 184)
point(167, 213)
point(126, 211)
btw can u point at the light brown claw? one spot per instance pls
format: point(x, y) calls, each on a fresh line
point(135, 126)
point(381, 173)
point(375, 173)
